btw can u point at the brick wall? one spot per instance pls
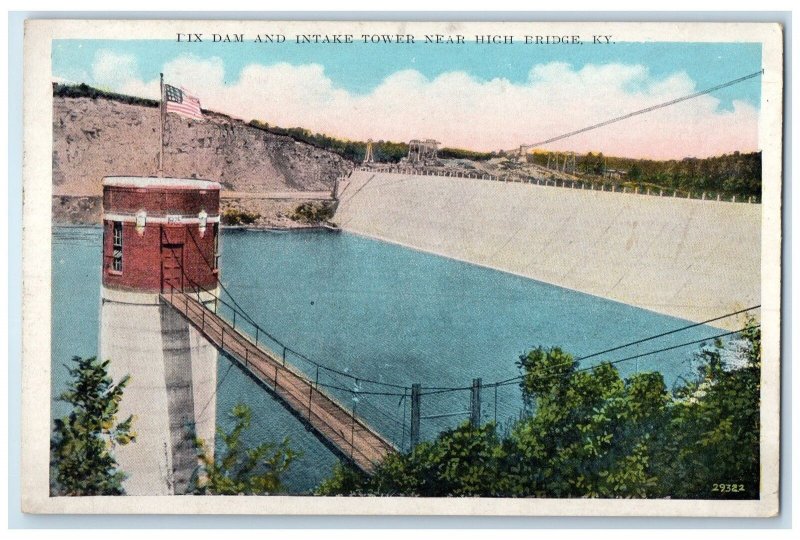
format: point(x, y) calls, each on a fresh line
point(143, 251)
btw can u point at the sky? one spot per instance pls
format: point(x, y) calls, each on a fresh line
point(480, 97)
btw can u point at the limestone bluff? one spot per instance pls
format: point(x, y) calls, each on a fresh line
point(98, 137)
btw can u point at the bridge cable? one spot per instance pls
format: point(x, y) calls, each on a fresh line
point(641, 111)
point(626, 345)
point(665, 349)
point(438, 390)
point(211, 267)
point(364, 402)
point(650, 353)
point(513, 380)
point(634, 357)
point(299, 354)
point(216, 390)
point(241, 310)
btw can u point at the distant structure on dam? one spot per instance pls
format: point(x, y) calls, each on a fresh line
point(159, 234)
point(422, 151)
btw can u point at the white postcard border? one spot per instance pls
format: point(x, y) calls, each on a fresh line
point(37, 172)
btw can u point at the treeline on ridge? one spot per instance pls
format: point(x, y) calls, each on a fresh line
point(84, 90)
point(730, 174)
point(737, 174)
point(382, 151)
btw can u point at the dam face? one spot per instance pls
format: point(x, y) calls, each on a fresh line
point(159, 234)
point(687, 258)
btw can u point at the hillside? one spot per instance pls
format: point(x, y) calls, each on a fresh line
point(97, 137)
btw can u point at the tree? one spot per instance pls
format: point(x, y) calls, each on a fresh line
point(714, 432)
point(461, 462)
point(600, 165)
point(242, 470)
point(587, 432)
point(591, 431)
point(82, 443)
point(314, 212)
point(635, 173)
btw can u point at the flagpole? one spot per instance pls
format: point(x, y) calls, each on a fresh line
point(161, 131)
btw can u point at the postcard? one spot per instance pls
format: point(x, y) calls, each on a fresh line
point(402, 268)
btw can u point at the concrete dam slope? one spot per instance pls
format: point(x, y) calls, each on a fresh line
point(691, 259)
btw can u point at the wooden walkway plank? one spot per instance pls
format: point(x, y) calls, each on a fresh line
point(329, 418)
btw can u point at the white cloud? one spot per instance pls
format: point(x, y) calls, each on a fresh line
point(111, 69)
point(195, 73)
point(462, 111)
point(75, 76)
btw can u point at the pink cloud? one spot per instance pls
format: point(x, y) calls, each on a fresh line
point(461, 111)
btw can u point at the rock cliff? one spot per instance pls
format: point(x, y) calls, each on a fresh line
point(93, 138)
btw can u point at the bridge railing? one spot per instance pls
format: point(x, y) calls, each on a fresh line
point(384, 410)
point(237, 344)
point(380, 405)
point(383, 406)
point(580, 184)
point(387, 407)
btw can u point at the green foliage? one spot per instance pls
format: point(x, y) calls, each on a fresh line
point(715, 428)
point(81, 448)
point(314, 212)
point(351, 150)
point(345, 480)
point(388, 151)
point(635, 172)
point(545, 371)
point(730, 174)
point(242, 470)
point(591, 433)
point(461, 462)
point(234, 216)
point(382, 151)
point(460, 153)
point(84, 90)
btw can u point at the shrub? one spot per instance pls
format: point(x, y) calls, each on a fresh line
point(314, 212)
point(234, 216)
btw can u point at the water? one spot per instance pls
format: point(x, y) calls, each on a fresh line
point(382, 313)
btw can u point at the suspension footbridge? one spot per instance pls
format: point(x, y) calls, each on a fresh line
point(331, 420)
point(342, 408)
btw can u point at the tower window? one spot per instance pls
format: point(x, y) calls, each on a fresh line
point(116, 262)
point(216, 246)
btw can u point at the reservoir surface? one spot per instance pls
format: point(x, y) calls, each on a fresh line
point(381, 313)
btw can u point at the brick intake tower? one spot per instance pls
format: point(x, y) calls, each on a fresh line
point(160, 235)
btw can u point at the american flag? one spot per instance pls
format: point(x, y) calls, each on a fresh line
point(180, 101)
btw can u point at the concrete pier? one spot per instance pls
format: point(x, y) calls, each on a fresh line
point(159, 234)
point(171, 392)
